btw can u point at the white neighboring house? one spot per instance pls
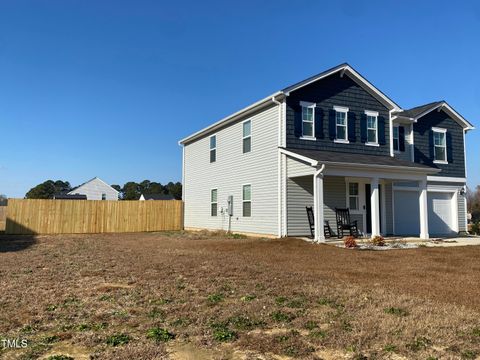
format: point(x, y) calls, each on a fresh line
point(332, 141)
point(144, 197)
point(95, 189)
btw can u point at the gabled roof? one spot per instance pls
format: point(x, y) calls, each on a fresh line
point(419, 111)
point(86, 182)
point(158, 197)
point(343, 69)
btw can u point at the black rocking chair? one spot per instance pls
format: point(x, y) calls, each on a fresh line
point(327, 231)
point(344, 223)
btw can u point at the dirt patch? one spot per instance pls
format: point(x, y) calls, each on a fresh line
point(75, 351)
point(173, 295)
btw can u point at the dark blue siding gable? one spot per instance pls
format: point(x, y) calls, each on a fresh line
point(423, 143)
point(327, 93)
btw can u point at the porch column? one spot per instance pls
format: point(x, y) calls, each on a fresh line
point(375, 206)
point(423, 210)
point(318, 206)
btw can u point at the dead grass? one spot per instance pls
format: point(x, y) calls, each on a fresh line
point(232, 298)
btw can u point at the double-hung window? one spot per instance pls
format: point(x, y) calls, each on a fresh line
point(396, 139)
point(213, 148)
point(440, 145)
point(372, 127)
point(353, 197)
point(247, 200)
point(247, 136)
point(308, 120)
point(213, 202)
point(341, 124)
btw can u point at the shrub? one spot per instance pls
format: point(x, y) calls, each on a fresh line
point(350, 242)
point(378, 241)
point(118, 339)
point(222, 333)
point(160, 335)
point(475, 229)
point(215, 298)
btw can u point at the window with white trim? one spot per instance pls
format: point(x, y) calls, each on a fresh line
point(247, 200)
point(372, 127)
point(104, 196)
point(213, 202)
point(341, 124)
point(353, 197)
point(308, 119)
point(213, 148)
point(247, 136)
point(396, 139)
point(440, 145)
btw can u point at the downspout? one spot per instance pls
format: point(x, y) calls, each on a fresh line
point(390, 122)
point(279, 173)
point(319, 220)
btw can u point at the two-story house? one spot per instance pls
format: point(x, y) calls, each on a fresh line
point(330, 141)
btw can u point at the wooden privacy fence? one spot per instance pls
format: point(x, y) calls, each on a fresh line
point(90, 216)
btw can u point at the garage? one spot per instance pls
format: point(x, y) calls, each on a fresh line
point(440, 213)
point(406, 212)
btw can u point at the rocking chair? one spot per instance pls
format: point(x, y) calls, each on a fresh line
point(344, 223)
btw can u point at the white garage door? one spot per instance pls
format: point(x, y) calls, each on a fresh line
point(440, 217)
point(406, 212)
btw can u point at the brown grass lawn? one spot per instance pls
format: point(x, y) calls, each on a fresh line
point(208, 296)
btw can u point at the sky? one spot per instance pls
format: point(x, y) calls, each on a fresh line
point(107, 88)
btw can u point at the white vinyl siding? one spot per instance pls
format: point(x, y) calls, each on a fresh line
point(95, 189)
point(230, 172)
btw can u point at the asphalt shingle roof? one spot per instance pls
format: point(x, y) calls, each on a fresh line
point(414, 112)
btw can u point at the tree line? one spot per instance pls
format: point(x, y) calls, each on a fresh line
point(129, 191)
point(473, 207)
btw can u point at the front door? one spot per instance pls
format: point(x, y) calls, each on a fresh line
point(368, 206)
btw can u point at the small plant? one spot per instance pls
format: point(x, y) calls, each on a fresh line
point(180, 322)
point(310, 325)
point(418, 344)
point(476, 331)
point(475, 229)
point(242, 322)
point(221, 332)
point(390, 348)
point(160, 335)
point(378, 241)
point(60, 357)
point(215, 298)
point(350, 242)
point(236, 236)
point(280, 316)
point(106, 298)
point(395, 311)
point(296, 303)
point(469, 354)
point(51, 308)
point(50, 339)
point(118, 339)
point(156, 313)
point(248, 298)
point(319, 334)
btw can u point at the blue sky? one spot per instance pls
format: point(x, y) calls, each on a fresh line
point(107, 88)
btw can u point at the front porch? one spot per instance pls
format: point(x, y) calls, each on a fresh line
point(367, 190)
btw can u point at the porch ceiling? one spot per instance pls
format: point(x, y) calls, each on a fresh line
point(349, 159)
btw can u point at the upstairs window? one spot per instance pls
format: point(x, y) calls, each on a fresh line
point(247, 200)
point(308, 119)
point(396, 139)
point(213, 202)
point(247, 136)
point(372, 127)
point(104, 196)
point(440, 145)
point(353, 196)
point(341, 124)
point(213, 148)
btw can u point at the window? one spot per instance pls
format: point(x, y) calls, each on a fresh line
point(341, 124)
point(353, 196)
point(247, 200)
point(247, 136)
point(104, 196)
point(213, 202)
point(213, 148)
point(372, 127)
point(396, 139)
point(308, 119)
point(440, 145)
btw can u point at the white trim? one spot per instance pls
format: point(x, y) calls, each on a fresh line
point(309, 138)
point(371, 113)
point(210, 149)
point(372, 144)
point(390, 127)
point(341, 108)
point(213, 202)
point(250, 201)
point(183, 173)
point(233, 117)
point(355, 76)
point(284, 194)
point(454, 210)
point(440, 130)
point(443, 105)
point(308, 105)
point(340, 141)
point(347, 199)
point(440, 161)
point(74, 190)
point(299, 157)
point(248, 136)
point(446, 179)
point(279, 169)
